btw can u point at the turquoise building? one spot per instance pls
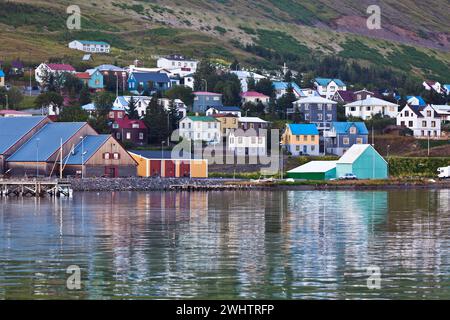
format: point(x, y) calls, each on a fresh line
point(364, 162)
point(96, 80)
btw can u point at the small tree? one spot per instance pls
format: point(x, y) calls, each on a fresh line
point(85, 95)
point(103, 102)
point(132, 111)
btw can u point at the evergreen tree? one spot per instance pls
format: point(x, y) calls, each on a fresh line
point(174, 116)
point(132, 111)
point(85, 95)
point(103, 102)
point(265, 86)
point(251, 84)
point(156, 121)
point(73, 114)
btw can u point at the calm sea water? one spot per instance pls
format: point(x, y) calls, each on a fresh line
point(223, 245)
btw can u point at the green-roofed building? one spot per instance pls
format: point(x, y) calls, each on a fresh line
point(200, 128)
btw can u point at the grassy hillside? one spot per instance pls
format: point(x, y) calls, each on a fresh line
point(252, 31)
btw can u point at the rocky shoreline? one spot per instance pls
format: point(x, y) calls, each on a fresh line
point(158, 184)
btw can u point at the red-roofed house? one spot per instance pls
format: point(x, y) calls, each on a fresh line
point(129, 131)
point(53, 68)
point(254, 97)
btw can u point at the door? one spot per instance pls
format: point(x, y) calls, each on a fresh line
point(169, 169)
point(112, 172)
point(185, 169)
point(155, 168)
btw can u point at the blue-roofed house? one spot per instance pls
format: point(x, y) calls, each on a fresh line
point(90, 46)
point(150, 82)
point(204, 100)
point(446, 89)
point(14, 132)
point(38, 155)
point(236, 111)
point(343, 135)
point(281, 87)
point(328, 87)
point(2, 78)
point(301, 139)
point(98, 156)
point(416, 101)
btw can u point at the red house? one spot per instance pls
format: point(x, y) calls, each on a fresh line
point(129, 131)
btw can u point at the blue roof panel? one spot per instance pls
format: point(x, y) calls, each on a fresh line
point(303, 129)
point(46, 142)
point(344, 127)
point(84, 151)
point(13, 129)
point(151, 76)
point(2, 74)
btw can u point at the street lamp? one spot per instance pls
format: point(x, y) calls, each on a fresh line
point(388, 146)
point(82, 157)
point(37, 157)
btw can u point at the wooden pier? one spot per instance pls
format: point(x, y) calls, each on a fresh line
point(35, 188)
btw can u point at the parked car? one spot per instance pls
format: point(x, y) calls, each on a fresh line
point(348, 176)
point(444, 172)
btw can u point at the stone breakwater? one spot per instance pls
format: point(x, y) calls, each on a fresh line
point(139, 184)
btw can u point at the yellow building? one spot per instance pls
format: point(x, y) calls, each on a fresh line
point(161, 164)
point(227, 122)
point(301, 139)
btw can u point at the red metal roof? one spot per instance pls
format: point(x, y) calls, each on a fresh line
point(253, 94)
point(61, 67)
point(83, 75)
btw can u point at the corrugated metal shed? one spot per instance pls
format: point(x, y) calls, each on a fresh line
point(46, 142)
point(13, 129)
point(89, 147)
point(314, 170)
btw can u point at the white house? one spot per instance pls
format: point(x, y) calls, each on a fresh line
point(236, 111)
point(328, 87)
point(247, 142)
point(200, 128)
point(370, 106)
point(432, 85)
point(423, 121)
point(52, 68)
point(177, 61)
point(245, 76)
point(254, 97)
point(443, 111)
point(181, 107)
point(141, 102)
point(90, 46)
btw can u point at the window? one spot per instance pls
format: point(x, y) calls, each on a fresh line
point(433, 124)
point(297, 138)
point(428, 113)
point(128, 136)
point(406, 113)
point(120, 115)
point(183, 125)
point(116, 156)
point(115, 126)
point(320, 117)
point(118, 135)
point(346, 141)
point(313, 138)
point(352, 108)
point(216, 98)
point(240, 140)
point(329, 117)
point(231, 140)
point(313, 148)
point(319, 106)
point(297, 148)
point(106, 156)
point(424, 123)
point(141, 136)
point(306, 116)
point(330, 107)
point(353, 130)
point(306, 106)
point(190, 125)
point(111, 114)
point(410, 124)
point(260, 140)
point(135, 125)
point(359, 140)
point(368, 108)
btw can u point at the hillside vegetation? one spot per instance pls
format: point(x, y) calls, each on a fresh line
point(414, 40)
